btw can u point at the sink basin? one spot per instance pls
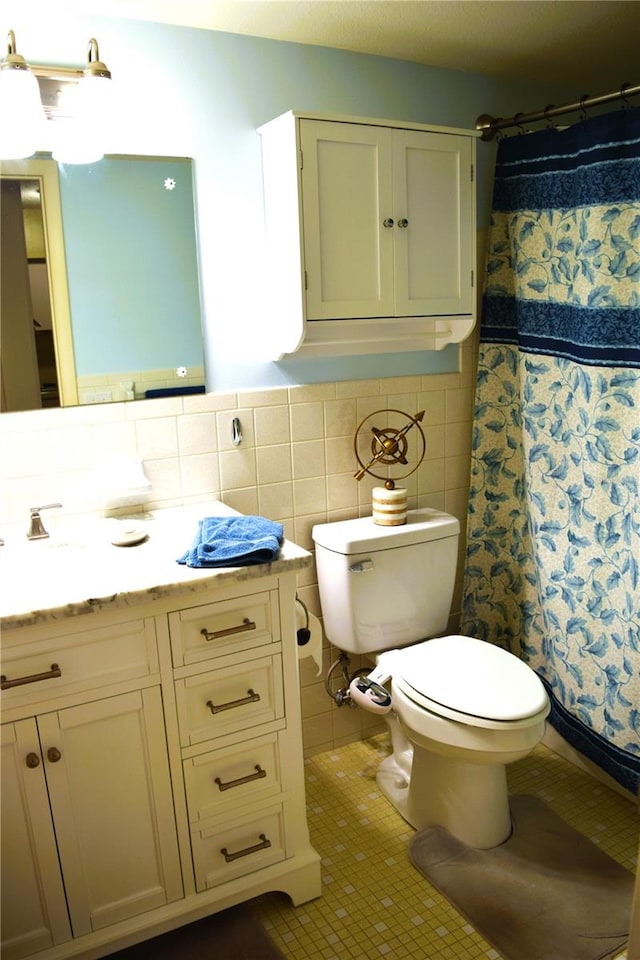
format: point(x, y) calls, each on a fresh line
point(47, 573)
point(79, 563)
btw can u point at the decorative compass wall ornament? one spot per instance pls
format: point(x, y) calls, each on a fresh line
point(388, 447)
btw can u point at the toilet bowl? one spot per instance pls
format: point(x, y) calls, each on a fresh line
point(458, 709)
point(462, 710)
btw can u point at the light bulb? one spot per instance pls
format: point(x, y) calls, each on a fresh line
point(21, 115)
point(80, 138)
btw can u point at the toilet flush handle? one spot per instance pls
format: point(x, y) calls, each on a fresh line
point(361, 566)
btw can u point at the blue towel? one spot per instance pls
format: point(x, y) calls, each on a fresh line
point(233, 542)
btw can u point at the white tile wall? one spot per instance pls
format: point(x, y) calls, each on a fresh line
point(295, 464)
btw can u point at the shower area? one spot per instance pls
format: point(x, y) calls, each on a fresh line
point(552, 569)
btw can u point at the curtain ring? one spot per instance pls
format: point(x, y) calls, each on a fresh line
point(583, 110)
point(550, 123)
point(623, 91)
point(517, 123)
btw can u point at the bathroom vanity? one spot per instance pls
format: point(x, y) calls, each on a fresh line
point(152, 766)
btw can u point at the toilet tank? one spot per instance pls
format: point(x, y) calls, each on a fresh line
point(386, 587)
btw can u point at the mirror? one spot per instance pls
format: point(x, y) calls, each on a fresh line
point(99, 285)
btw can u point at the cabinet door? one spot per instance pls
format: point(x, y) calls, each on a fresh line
point(346, 198)
point(108, 777)
point(34, 909)
point(433, 234)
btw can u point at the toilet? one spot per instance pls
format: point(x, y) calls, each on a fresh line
point(459, 709)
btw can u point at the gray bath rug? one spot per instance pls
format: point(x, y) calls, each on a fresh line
point(547, 893)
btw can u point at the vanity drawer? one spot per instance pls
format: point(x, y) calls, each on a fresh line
point(228, 626)
point(40, 669)
point(222, 853)
point(229, 699)
point(221, 780)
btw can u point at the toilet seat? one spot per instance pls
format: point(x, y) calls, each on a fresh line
point(470, 681)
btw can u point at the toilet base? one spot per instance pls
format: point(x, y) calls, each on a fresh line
point(393, 782)
point(469, 800)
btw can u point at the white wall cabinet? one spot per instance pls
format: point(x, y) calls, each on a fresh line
point(151, 769)
point(370, 233)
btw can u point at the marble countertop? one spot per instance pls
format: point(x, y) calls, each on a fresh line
point(78, 570)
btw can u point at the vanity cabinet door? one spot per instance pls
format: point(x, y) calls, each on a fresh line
point(34, 909)
point(110, 792)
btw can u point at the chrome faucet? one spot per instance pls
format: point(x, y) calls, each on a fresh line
point(36, 529)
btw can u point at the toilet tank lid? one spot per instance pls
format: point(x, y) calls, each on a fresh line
point(362, 534)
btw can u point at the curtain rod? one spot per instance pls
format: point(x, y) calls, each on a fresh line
point(490, 125)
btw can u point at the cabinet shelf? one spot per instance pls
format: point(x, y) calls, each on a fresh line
point(326, 338)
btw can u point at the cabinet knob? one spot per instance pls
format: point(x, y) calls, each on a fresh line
point(403, 222)
point(388, 222)
point(33, 760)
point(53, 754)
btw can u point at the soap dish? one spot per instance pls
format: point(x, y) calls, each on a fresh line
point(124, 534)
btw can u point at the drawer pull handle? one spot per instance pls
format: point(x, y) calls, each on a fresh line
point(32, 760)
point(263, 845)
point(34, 678)
point(260, 774)
point(250, 698)
point(53, 755)
point(216, 634)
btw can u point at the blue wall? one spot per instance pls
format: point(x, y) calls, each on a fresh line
point(186, 92)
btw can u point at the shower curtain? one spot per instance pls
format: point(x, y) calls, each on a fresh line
point(553, 527)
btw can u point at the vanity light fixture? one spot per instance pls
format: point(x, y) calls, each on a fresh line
point(76, 101)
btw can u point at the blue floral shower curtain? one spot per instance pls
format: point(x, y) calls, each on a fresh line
point(553, 531)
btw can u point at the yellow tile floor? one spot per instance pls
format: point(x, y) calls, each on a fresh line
point(375, 904)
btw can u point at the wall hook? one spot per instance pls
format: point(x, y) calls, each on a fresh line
point(236, 431)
